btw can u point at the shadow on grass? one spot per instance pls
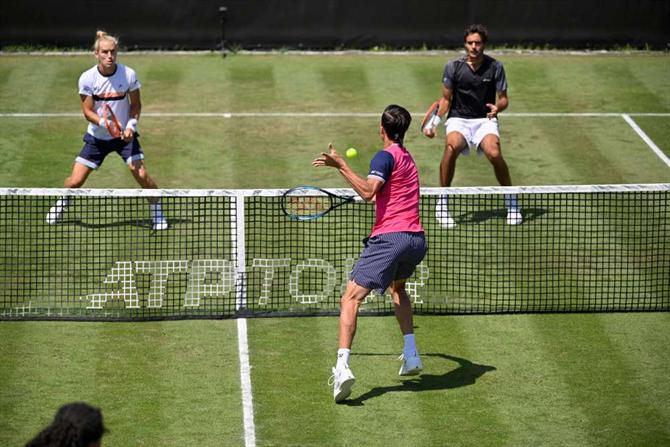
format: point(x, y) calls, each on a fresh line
point(142, 223)
point(466, 374)
point(477, 217)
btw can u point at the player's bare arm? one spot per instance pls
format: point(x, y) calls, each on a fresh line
point(88, 108)
point(366, 188)
point(501, 104)
point(135, 111)
point(443, 108)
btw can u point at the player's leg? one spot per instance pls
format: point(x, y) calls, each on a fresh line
point(454, 145)
point(411, 361)
point(349, 303)
point(413, 248)
point(491, 147)
point(89, 159)
point(78, 176)
point(76, 179)
point(343, 379)
point(142, 177)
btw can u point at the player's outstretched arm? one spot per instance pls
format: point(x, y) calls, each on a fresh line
point(366, 188)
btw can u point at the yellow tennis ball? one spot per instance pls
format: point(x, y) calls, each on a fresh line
point(351, 152)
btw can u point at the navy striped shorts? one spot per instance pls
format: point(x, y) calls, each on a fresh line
point(388, 257)
point(95, 151)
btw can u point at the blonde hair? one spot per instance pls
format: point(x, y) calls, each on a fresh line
point(102, 35)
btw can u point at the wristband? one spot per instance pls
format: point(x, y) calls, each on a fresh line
point(435, 121)
point(132, 124)
point(102, 122)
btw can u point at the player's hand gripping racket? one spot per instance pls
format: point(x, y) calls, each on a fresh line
point(429, 115)
point(111, 122)
point(309, 202)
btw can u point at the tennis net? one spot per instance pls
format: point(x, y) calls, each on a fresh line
point(231, 253)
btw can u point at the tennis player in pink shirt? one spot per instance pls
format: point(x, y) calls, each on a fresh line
point(394, 248)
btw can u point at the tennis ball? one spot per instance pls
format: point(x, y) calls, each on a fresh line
point(351, 152)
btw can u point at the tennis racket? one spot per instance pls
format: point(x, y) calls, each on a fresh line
point(111, 122)
point(430, 113)
point(310, 202)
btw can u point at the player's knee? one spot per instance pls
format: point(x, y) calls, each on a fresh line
point(494, 157)
point(450, 152)
point(348, 300)
point(138, 171)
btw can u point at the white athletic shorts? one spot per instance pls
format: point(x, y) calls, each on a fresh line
point(473, 130)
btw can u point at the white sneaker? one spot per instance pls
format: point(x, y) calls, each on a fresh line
point(411, 365)
point(443, 217)
point(158, 219)
point(342, 380)
point(55, 213)
point(514, 216)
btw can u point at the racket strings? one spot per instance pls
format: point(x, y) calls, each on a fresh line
point(307, 205)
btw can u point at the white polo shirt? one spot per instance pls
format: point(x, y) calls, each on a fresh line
point(112, 90)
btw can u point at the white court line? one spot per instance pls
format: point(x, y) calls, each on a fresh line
point(245, 383)
point(646, 139)
point(315, 114)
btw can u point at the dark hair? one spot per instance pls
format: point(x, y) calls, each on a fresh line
point(476, 29)
point(396, 121)
point(75, 425)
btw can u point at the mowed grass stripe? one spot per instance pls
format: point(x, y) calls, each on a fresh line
point(578, 154)
point(299, 410)
point(658, 129)
point(401, 405)
point(643, 350)
point(524, 391)
point(19, 350)
point(598, 381)
point(291, 362)
point(163, 87)
point(176, 377)
point(637, 96)
point(346, 86)
point(299, 90)
point(654, 75)
point(464, 377)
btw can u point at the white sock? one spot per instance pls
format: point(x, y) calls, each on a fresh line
point(510, 202)
point(156, 210)
point(62, 203)
point(443, 202)
point(410, 345)
point(343, 358)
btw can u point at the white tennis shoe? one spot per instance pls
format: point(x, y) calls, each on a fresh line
point(411, 365)
point(342, 380)
point(514, 216)
point(55, 213)
point(159, 222)
point(443, 217)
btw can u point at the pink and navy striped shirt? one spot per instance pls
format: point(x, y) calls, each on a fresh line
point(397, 202)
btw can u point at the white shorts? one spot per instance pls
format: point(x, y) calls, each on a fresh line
point(473, 130)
